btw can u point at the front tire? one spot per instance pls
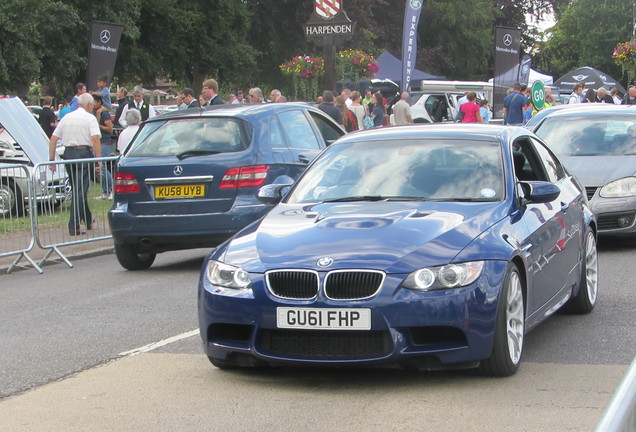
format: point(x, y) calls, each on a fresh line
point(11, 200)
point(509, 328)
point(131, 259)
point(585, 299)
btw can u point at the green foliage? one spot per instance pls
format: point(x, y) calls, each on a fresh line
point(457, 45)
point(586, 34)
point(242, 42)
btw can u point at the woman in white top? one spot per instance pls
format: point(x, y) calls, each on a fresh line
point(133, 119)
point(358, 109)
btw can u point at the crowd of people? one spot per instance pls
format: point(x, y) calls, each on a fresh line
point(519, 109)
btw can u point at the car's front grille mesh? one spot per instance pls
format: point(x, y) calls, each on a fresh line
point(352, 285)
point(300, 285)
point(325, 344)
point(339, 285)
point(612, 221)
point(590, 191)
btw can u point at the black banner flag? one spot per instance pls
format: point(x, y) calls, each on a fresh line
point(102, 51)
point(507, 56)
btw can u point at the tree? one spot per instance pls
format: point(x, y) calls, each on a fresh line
point(585, 35)
point(456, 45)
point(26, 43)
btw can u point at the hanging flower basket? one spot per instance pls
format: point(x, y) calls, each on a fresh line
point(304, 71)
point(625, 56)
point(355, 65)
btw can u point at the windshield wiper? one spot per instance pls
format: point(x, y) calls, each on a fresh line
point(374, 198)
point(189, 153)
point(356, 198)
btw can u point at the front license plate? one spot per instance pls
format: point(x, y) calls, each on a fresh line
point(330, 319)
point(179, 191)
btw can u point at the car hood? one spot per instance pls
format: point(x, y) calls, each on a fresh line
point(24, 128)
point(597, 171)
point(396, 237)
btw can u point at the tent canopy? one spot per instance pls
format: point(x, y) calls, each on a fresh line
point(538, 76)
point(535, 76)
point(593, 78)
point(390, 67)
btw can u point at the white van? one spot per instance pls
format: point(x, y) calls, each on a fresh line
point(436, 101)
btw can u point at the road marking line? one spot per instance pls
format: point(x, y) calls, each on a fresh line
point(159, 344)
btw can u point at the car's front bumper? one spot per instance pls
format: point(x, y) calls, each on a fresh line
point(615, 216)
point(422, 329)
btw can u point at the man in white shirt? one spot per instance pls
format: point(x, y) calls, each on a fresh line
point(575, 97)
point(402, 110)
point(80, 133)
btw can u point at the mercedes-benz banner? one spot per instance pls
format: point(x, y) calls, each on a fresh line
point(102, 51)
point(507, 56)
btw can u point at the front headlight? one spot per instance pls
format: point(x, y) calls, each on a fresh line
point(443, 277)
point(619, 188)
point(227, 276)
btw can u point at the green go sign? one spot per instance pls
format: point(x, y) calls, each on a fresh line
point(538, 95)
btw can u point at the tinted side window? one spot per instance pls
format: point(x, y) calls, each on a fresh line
point(298, 130)
point(553, 168)
point(329, 132)
point(276, 133)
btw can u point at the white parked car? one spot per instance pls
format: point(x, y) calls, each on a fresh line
point(23, 144)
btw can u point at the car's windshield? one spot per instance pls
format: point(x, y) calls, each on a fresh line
point(422, 169)
point(588, 135)
point(191, 137)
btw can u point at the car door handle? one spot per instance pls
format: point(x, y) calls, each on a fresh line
point(303, 159)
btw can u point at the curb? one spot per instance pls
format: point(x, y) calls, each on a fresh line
point(54, 259)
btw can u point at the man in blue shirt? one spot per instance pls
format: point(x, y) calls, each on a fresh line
point(80, 89)
point(102, 85)
point(513, 106)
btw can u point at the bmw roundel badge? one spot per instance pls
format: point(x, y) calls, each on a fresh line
point(325, 262)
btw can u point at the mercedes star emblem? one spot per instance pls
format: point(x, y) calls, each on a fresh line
point(507, 39)
point(104, 36)
point(178, 170)
point(325, 262)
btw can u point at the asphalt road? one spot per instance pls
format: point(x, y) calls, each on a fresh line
point(76, 355)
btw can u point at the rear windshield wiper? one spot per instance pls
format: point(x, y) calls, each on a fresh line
point(189, 153)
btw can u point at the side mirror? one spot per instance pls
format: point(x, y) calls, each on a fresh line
point(540, 191)
point(272, 194)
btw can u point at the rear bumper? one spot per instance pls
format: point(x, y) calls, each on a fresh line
point(158, 233)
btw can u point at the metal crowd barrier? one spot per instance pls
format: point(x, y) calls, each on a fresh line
point(36, 207)
point(52, 228)
point(16, 194)
point(620, 414)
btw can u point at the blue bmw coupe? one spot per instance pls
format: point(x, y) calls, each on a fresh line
point(425, 246)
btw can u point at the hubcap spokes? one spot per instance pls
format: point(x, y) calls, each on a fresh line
point(591, 268)
point(514, 318)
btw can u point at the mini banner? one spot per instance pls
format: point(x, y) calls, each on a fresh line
point(507, 55)
point(102, 51)
point(409, 40)
point(524, 69)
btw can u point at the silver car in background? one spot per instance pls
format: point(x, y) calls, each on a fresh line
point(24, 143)
point(598, 145)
